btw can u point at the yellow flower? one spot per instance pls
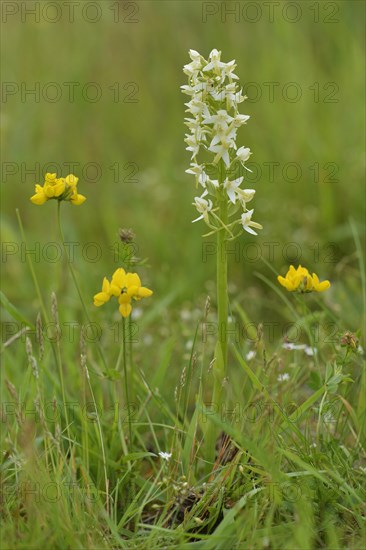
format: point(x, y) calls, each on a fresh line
point(71, 180)
point(125, 287)
point(50, 178)
point(40, 197)
point(300, 280)
point(103, 297)
point(76, 198)
point(62, 189)
point(320, 286)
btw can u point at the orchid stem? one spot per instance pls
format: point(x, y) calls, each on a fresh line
point(222, 294)
point(220, 364)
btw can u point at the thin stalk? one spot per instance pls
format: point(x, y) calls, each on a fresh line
point(55, 347)
point(72, 272)
point(71, 269)
point(125, 372)
point(121, 352)
point(222, 294)
point(319, 423)
point(129, 265)
point(220, 365)
point(126, 377)
point(62, 383)
point(117, 417)
point(127, 367)
point(101, 440)
point(305, 311)
point(130, 364)
point(117, 424)
point(31, 269)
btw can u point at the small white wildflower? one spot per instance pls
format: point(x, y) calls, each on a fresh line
point(220, 121)
point(193, 144)
point(202, 178)
point(283, 377)
point(292, 346)
point(231, 187)
point(245, 195)
point(225, 143)
point(203, 208)
point(295, 347)
point(250, 355)
point(192, 69)
point(165, 456)
point(247, 223)
point(205, 181)
point(215, 63)
point(232, 96)
point(194, 55)
point(243, 154)
point(310, 351)
point(239, 120)
point(196, 169)
point(197, 107)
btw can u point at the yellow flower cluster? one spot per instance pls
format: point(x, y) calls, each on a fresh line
point(300, 280)
point(62, 189)
point(125, 287)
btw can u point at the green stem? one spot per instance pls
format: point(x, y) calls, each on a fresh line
point(69, 261)
point(31, 269)
point(130, 363)
point(62, 383)
point(318, 425)
point(131, 490)
point(126, 379)
point(220, 365)
point(104, 459)
point(121, 352)
point(117, 418)
point(305, 311)
point(222, 294)
point(55, 346)
point(71, 269)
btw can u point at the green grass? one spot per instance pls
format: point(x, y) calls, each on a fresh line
point(296, 477)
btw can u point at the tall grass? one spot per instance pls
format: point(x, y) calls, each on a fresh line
point(289, 471)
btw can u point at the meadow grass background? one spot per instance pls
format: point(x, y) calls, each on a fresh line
point(317, 214)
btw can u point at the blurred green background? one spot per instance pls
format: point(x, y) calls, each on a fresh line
point(139, 48)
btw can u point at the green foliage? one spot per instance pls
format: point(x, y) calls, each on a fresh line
point(288, 471)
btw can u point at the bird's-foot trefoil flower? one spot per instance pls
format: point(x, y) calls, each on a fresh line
point(62, 189)
point(126, 287)
point(300, 280)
